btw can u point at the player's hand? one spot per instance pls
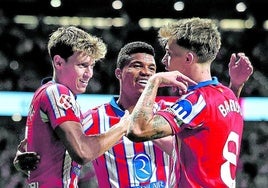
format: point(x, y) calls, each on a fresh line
point(240, 69)
point(26, 161)
point(174, 79)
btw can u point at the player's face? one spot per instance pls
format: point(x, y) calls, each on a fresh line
point(135, 75)
point(77, 72)
point(175, 57)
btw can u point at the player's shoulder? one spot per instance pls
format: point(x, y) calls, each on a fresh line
point(226, 90)
point(97, 108)
point(56, 88)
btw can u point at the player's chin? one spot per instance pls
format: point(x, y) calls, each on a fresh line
point(141, 89)
point(81, 90)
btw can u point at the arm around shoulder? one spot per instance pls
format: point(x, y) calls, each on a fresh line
point(85, 148)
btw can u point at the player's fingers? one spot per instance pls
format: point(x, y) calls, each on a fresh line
point(240, 54)
point(250, 69)
point(232, 60)
point(185, 80)
point(182, 87)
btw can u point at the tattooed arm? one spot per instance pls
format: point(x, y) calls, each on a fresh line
point(144, 124)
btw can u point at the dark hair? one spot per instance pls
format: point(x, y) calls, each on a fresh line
point(132, 48)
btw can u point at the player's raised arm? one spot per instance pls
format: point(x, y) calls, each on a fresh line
point(240, 69)
point(144, 124)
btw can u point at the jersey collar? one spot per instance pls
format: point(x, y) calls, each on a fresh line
point(116, 107)
point(214, 81)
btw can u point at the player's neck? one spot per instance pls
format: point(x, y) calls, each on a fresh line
point(126, 103)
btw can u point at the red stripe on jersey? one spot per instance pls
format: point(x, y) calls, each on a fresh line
point(118, 150)
point(159, 159)
point(115, 167)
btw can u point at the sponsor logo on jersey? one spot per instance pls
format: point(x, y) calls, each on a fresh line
point(64, 102)
point(182, 108)
point(158, 184)
point(142, 167)
point(186, 110)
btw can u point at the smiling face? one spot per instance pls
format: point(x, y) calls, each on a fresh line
point(74, 73)
point(135, 74)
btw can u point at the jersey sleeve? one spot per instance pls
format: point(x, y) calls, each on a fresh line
point(187, 112)
point(88, 121)
point(60, 105)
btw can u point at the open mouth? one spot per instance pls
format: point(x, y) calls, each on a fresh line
point(143, 82)
point(84, 82)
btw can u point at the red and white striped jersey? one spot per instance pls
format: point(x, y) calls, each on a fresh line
point(52, 105)
point(127, 164)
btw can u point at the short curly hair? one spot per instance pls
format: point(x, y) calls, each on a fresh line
point(132, 48)
point(199, 35)
point(67, 40)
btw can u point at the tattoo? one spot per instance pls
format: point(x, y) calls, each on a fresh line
point(140, 114)
point(144, 116)
point(158, 127)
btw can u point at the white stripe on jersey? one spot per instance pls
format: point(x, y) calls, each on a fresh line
point(53, 95)
point(87, 122)
point(129, 149)
point(111, 165)
point(66, 170)
point(149, 151)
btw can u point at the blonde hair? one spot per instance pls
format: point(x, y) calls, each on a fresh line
point(199, 35)
point(66, 41)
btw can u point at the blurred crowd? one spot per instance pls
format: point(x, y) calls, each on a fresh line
point(24, 62)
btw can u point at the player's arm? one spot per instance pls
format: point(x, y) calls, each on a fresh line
point(143, 123)
point(85, 148)
point(165, 144)
point(240, 69)
point(25, 161)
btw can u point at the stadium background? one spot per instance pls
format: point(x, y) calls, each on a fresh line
point(26, 24)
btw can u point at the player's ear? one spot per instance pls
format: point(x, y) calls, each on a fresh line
point(189, 57)
point(118, 73)
point(57, 60)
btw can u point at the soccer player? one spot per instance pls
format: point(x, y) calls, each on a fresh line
point(207, 121)
point(53, 127)
point(119, 166)
point(129, 164)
